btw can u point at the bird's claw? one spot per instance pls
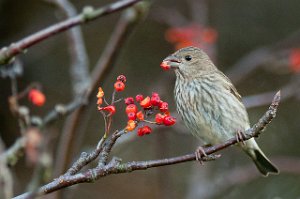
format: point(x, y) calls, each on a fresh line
point(239, 136)
point(200, 152)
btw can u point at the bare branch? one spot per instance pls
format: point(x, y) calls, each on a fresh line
point(88, 14)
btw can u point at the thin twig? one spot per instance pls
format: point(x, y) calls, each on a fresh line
point(103, 156)
point(62, 110)
point(85, 159)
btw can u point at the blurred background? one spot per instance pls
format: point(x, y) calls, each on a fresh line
point(256, 43)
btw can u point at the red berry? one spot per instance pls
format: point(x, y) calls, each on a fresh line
point(131, 108)
point(119, 86)
point(145, 103)
point(99, 101)
point(159, 118)
point(140, 115)
point(155, 94)
point(164, 107)
point(131, 115)
point(36, 97)
point(129, 100)
point(111, 109)
point(139, 98)
point(121, 78)
point(140, 132)
point(165, 66)
point(169, 121)
point(146, 130)
point(167, 113)
point(130, 125)
point(155, 100)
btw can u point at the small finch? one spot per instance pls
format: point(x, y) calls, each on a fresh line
point(210, 105)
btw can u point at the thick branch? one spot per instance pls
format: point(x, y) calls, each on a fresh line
point(88, 14)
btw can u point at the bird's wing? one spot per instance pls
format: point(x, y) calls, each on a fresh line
point(234, 92)
point(230, 87)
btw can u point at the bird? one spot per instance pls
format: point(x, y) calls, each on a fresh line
point(209, 104)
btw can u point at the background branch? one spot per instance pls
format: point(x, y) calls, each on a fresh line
point(79, 67)
point(88, 14)
point(289, 90)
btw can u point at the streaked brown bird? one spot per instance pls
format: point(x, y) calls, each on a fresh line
point(210, 105)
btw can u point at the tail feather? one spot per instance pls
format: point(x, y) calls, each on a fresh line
point(263, 164)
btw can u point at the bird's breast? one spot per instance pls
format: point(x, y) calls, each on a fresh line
point(208, 110)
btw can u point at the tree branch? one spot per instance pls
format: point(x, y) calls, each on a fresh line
point(88, 14)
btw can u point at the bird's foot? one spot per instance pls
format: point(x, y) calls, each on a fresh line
point(200, 153)
point(240, 136)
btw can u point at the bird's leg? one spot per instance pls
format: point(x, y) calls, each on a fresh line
point(200, 152)
point(239, 136)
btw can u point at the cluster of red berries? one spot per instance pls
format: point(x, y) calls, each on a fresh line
point(147, 103)
point(119, 85)
point(135, 116)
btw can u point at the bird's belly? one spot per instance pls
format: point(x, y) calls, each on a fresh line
point(202, 126)
point(212, 116)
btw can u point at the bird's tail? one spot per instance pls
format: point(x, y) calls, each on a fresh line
point(263, 164)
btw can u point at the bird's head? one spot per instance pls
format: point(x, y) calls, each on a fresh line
point(188, 62)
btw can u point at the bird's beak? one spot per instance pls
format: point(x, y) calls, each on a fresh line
point(170, 62)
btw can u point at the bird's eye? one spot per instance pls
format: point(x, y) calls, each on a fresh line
point(188, 58)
